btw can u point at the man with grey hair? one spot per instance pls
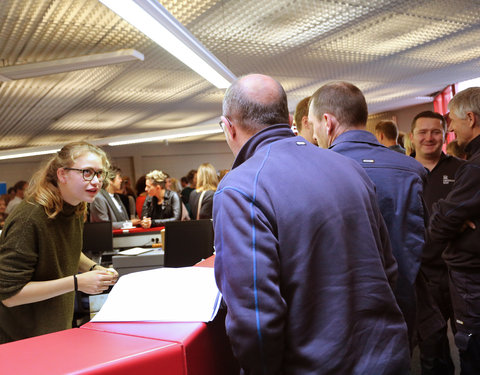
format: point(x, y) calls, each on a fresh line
point(455, 223)
point(339, 114)
point(305, 273)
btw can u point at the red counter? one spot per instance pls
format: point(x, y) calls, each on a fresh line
point(84, 351)
point(125, 348)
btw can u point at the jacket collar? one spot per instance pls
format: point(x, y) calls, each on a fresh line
point(264, 137)
point(473, 147)
point(357, 136)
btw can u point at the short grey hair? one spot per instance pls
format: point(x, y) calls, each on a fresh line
point(467, 100)
point(252, 115)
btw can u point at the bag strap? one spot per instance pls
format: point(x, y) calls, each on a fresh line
point(200, 204)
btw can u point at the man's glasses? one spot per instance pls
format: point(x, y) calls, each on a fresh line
point(89, 174)
point(222, 123)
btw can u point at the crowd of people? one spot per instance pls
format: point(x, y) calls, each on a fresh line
point(337, 251)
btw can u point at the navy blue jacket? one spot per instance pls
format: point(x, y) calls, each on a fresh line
point(303, 262)
point(399, 184)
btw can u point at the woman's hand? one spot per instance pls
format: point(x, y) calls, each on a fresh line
point(146, 222)
point(97, 281)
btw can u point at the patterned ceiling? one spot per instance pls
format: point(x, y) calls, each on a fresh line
point(398, 52)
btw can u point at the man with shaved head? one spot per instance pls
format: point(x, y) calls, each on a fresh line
point(303, 258)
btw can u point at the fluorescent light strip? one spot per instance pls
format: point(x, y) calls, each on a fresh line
point(43, 68)
point(26, 154)
point(165, 137)
point(153, 20)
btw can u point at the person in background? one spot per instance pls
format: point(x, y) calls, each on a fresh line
point(184, 182)
point(454, 149)
point(3, 206)
point(386, 132)
point(222, 173)
point(304, 127)
point(41, 246)
point(428, 136)
point(141, 195)
point(10, 194)
point(339, 113)
point(201, 199)
point(306, 277)
point(107, 205)
point(455, 225)
point(161, 205)
point(20, 188)
point(192, 182)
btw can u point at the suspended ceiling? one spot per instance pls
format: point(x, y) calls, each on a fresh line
point(397, 52)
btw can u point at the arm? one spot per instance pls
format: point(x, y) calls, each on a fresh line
point(462, 205)
point(249, 278)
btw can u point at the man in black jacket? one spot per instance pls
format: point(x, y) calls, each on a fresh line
point(428, 136)
point(455, 222)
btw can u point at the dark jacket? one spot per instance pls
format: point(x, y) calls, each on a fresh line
point(302, 258)
point(399, 184)
point(450, 214)
point(207, 203)
point(103, 209)
point(169, 210)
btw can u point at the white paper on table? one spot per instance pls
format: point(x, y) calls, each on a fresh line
point(187, 294)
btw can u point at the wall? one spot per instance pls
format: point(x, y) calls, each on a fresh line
point(403, 116)
point(177, 158)
point(135, 160)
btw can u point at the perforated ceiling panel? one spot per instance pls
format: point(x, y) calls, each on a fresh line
point(397, 52)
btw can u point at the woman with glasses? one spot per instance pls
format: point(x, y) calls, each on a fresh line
point(41, 243)
point(161, 205)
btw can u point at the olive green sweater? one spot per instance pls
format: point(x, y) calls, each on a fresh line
point(36, 248)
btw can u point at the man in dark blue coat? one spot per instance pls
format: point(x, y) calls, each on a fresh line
point(339, 114)
point(303, 259)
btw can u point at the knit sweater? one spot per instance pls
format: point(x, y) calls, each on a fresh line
point(36, 248)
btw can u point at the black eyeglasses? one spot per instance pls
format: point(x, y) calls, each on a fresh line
point(89, 174)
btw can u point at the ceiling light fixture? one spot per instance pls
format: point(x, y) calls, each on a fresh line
point(44, 68)
point(153, 20)
point(26, 152)
point(192, 131)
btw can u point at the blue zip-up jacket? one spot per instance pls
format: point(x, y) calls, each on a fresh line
point(303, 262)
point(399, 183)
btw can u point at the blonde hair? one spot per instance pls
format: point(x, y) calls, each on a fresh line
point(43, 187)
point(157, 178)
point(207, 178)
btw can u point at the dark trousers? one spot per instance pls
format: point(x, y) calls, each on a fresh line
point(435, 354)
point(434, 311)
point(465, 293)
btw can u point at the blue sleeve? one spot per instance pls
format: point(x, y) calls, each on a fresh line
point(247, 270)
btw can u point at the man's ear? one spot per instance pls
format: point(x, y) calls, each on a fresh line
point(330, 123)
point(471, 119)
point(305, 123)
point(232, 132)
